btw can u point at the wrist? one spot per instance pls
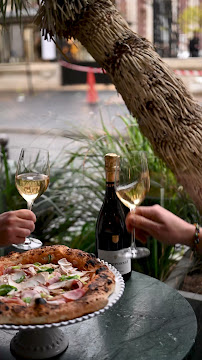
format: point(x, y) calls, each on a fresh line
point(192, 236)
point(189, 235)
point(196, 238)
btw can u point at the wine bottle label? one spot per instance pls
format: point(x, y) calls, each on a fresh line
point(117, 259)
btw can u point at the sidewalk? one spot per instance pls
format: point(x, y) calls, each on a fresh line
point(57, 119)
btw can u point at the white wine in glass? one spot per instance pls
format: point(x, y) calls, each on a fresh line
point(32, 179)
point(132, 182)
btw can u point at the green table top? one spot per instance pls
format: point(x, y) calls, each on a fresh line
point(151, 321)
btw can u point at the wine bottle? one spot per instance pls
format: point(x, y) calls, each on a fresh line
point(111, 234)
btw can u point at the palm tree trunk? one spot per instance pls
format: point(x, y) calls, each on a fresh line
point(166, 112)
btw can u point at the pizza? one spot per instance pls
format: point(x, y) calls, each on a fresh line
point(52, 284)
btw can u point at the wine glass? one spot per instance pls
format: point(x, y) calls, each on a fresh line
point(132, 181)
point(31, 180)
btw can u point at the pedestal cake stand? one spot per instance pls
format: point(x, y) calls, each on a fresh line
point(47, 340)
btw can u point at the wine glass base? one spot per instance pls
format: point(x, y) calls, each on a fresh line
point(139, 253)
point(30, 243)
point(135, 253)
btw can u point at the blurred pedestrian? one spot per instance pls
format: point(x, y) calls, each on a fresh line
point(194, 45)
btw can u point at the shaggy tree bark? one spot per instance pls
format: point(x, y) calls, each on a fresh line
point(167, 114)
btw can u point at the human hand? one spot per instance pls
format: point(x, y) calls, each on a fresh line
point(161, 224)
point(15, 226)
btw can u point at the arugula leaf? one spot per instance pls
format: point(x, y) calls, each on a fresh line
point(43, 295)
point(27, 300)
point(65, 277)
point(83, 282)
point(49, 270)
point(5, 289)
point(49, 258)
point(20, 279)
point(37, 264)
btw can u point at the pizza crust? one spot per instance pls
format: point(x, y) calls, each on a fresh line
point(98, 289)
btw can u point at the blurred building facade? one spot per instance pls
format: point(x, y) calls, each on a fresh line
point(190, 21)
point(29, 62)
point(168, 24)
point(139, 15)
point(165, 27)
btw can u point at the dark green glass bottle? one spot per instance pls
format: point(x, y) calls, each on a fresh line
point(111, 234)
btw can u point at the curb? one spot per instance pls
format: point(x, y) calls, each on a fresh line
point(54, 132)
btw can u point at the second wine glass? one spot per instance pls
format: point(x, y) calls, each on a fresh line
point(32, 179)
point(132, 182)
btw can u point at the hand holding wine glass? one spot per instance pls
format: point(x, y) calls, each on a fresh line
point(15, 226)
point(131, 183)
point(32, 179)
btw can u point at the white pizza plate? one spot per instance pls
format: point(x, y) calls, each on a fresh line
point(47, 340)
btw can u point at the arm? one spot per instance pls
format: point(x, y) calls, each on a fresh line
point(15, 226)
point(163, 226)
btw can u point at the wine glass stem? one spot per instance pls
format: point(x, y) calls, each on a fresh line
point(133, 245)
point(29, 205)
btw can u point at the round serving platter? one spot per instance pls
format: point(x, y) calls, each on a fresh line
point(47, 340)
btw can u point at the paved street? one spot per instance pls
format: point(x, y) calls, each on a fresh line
point(44, 119)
